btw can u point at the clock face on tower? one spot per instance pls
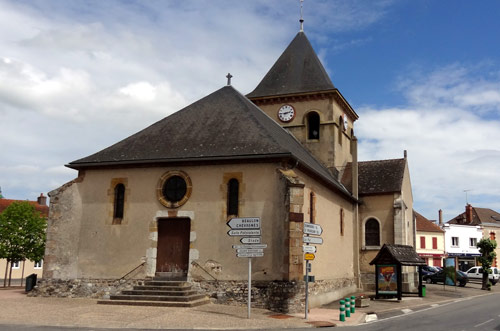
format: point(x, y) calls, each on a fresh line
point(286, 113)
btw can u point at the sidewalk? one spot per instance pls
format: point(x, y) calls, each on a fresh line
point(17, 308)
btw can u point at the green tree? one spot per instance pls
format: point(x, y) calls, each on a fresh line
point(487, 249)
point(22, 233)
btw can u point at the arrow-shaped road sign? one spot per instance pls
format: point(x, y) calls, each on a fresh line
point(250, 246)
point(309, 249)
point(244, 232)
point(250, 255)
point(314, 229)
point(246, 250)
point(250, 240)
point(244, 223)
point(312, 240)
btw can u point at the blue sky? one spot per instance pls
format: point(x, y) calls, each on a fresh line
point(78, 76)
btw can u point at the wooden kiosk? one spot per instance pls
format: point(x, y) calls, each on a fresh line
point(388, 270)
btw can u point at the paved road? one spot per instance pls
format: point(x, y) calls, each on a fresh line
point(480, 313)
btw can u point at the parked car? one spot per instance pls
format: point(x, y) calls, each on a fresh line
point(427, 270)
point(439, 277)
point(476, 273)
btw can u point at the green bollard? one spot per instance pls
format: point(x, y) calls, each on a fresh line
point(347, 308)
point(353, 304)
point(342, 311)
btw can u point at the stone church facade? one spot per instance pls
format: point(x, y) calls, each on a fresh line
point(157, 203)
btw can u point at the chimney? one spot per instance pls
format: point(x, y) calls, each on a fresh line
point(42, 200)
point(468, 213)
point(440, 217)
point(405, 153)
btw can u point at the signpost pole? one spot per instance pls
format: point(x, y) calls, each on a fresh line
point(249, 285)
point(307, 286)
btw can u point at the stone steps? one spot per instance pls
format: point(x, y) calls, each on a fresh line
point(183, 298)
point(189, 304)
point(159, 292)
point(162, 288)
point(136, 291)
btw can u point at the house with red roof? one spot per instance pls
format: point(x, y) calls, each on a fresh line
point(484, 220)
point(430, 241)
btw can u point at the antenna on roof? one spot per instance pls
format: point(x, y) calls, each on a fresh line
point(301, 18)
point(229, 76)
point(466, 197)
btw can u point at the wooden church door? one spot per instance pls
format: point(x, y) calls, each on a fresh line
point(172, 256)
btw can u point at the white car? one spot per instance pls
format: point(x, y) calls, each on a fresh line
point(477, 274)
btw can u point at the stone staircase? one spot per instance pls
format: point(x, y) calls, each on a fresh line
point(161, 293)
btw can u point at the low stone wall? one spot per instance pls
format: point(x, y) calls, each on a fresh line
point(325, 291)
point(76, 288)
point(278, 296)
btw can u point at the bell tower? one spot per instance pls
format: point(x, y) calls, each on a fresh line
point(299, 95)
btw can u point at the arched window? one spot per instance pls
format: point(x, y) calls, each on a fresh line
point(341, 221)
point(341, 128)
point(312, 207)
point(233, 187)
point(119, 201)
point(372, 233)
point(313, 125)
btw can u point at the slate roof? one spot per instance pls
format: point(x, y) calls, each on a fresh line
point(381, 176)
point(424, 225)
point(376, 177)
point(224, 125)
point(402, 254)
point(42, 209)
point(297, 70)
point(480, 216)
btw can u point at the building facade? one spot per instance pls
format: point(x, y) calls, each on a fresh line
point(487, 219)
point(430, 241)
point(158, 202)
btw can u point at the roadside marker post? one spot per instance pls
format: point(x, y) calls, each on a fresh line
point(342, 311)
point(347, 308)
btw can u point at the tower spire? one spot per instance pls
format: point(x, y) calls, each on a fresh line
point(301, 17)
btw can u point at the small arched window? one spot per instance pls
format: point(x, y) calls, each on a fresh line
point(233, 187)
point(372, 233)
point(313, 125)
point(312, 207)
point(119, 201)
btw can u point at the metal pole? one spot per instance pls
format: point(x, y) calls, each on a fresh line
point(249, 285)
point(307, 286)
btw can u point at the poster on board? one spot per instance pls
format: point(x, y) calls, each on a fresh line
point(387, 279)
point(450, 271)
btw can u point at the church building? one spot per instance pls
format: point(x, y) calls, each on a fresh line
point(157, 203)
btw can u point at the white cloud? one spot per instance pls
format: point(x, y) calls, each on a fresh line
point(78, 76)
point(453, 145)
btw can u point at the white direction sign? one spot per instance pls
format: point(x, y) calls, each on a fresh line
point(250, 255)
point(314, 229)
point(250, 240)
point(250, 246)
point(244, 223)
point(312, 240)
point(244, 232)
point(309, 249)
point(249, 250)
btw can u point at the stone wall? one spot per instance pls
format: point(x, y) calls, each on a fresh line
point(278, 296)
point(77, 288)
